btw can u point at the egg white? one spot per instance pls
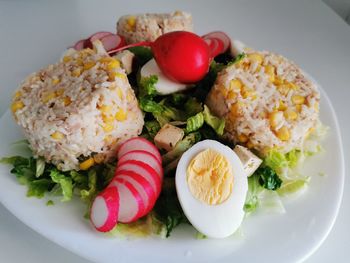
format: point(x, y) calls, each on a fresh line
point(214, 221)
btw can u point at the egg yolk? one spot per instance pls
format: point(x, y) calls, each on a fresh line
point(210, 177)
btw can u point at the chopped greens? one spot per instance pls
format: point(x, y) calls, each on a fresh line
point(268, 178)
point(195, 122)
point(218, 124)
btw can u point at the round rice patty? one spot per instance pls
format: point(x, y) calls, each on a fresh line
point(81, 107)
point(148, 27)
point(267, 102)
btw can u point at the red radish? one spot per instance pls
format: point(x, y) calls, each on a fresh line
point(182, 56)
point(99, 35)
point(80, 44)
point(144, 188)
point(131, 205)
point(104, 210)
point(144, 170)
point(112, 41)
point(144, 157)
point(218, 42)
point(139, 143)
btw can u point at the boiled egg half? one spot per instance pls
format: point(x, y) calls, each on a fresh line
point(211, 186)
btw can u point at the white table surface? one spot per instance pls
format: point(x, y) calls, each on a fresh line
point(307, 32)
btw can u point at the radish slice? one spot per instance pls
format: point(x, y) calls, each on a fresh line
point(144, 157)
point(131, 205)
point(112, 42)
point(142, 186)
point(144, 170)
point(139, 143)
point(80, 44)
point(104, 210)
point(218, 42)
point(99, 35)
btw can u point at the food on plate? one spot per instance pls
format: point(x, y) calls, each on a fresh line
point(173, 128)
point(76, 112)
point(267, 102)
point(212, 186)
point(148, 27)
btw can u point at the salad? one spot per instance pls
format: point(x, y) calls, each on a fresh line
point(155, 126)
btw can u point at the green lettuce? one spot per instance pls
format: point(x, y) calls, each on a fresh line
point(195, 122)
point(218, 124)
point(147, 86)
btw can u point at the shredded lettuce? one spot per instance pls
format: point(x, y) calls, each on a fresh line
point(193, 106)
point(148, 105)
point(218, 124)
point(195, 122)
point(152, 127)
point(147, 86)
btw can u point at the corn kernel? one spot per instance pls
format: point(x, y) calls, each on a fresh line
point(278, 81)
point(105, 59)
point(105, 108)
point(66, 59)
point(298, 100)
point(89, 65)
point(250, 145)
point(270, 71)
point(255, 57)
point(282, 106)
point(248, 94)
point(76, 72)
point(293, 86)
point(231, 95)
point(120, 115)
point(59, 92)
point(290, 115)
point(131, 23)
point(57, 135)
point(107, 118)
point(316, 107)
point(17, 94)
point(234, 110)
point(55, 81)
point(49, 96)
point(236, 85)
point(298, 108)
point(108, 127)
point(17, 105)
point(87, 164)
point(120, 93)
point(108, 138)
point(113, 75)
point(113, 64)
point(276, 119)
point(283, 134)
point(79, 62)
point(129, 96)
point(67, 101)
point(283, 89)
point(242, 138)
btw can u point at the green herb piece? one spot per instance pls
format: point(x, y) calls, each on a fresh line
point(237, 59)
point(195, 122)
point(218, 124)
point(268, 178)
point(147, 86)
point(152, 127)
point(50, 203)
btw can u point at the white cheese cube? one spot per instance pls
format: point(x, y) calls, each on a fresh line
point(168, 136)
point(249, 160)
point(126, 58)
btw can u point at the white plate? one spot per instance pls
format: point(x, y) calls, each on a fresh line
point(289, 237)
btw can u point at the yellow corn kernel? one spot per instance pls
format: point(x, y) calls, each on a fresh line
point(108, 127)
point(89, 65)
point(108, 138)
point(283, 89)
point(231, 95)
point(57, 135)
point(107, 118)
point(66, 59)
point(270, 71)
point(282, 106)
point(283, 134)
point(105, 108)
point(113, 64)
point(234, 110)
point(248, 93)
point(298, 100)
point(278, 81)
point(105, 59)
point(250, 145)
point(293, 86)
point(87, 164)
point(223, 91)
point(113, 75)
point(59, 92)
point(276, 118)
point(79, 62)
point(129, 96)
point(290, 115)
point(76, 72)
point(120, 115)
point(55, 81)
point(236, 85)
point(242, 138)
point(98, 158)
point(119, 92)
point(131, 22)
point(67, 101)
point(298, 108)
point(316, 107)
point(17, 105)
point(255, 57)
point(49, 96)
point(17, 94)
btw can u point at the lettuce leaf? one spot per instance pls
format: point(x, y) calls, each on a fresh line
point(218, 124)
point(195, 122)
point(147, 86)
point(64, 182)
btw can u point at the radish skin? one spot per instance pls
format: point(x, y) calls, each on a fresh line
point(139, 143)
point(145, 171)
point(144, 157)
point(104, 210)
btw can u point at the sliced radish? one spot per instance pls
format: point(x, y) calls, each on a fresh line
point(218, 42)
point(99, 35)
point(80, 44)
point(104, 210)
point(112, 42)
point(131, 205)
point(139, 143)
point(144, 188)
point(144, 157)
point(144, 170)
